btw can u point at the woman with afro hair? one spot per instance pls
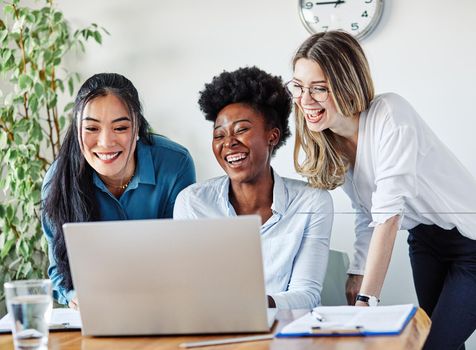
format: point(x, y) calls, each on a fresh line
point(249, 109)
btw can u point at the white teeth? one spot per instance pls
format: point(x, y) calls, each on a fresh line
point(313, 112)
point(235, 157)
point(107, 156)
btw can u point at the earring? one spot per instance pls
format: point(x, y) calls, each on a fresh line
point(137, 139)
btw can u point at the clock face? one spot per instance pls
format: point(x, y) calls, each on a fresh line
point(357, 17)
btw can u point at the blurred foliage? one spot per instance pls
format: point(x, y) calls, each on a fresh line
point(33, 43)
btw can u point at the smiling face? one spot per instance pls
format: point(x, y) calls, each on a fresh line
point(108, 142)
point(243, 143)
point(319, 116)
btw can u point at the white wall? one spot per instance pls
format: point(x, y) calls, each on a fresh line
point(425, 50)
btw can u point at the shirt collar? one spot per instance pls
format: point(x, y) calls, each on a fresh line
point(280, 195)
point(223, 195)
point(145, 172)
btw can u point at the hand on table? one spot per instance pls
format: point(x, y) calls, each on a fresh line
point(73, 304)
point(352, 288)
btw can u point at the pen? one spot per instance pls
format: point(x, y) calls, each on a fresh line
point(317, 316)
point(227, 341)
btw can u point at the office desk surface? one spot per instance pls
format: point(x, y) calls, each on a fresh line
point(412, 337)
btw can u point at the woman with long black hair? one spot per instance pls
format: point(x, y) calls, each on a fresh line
point(110, 167)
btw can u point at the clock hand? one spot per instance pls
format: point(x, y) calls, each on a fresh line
point(335, 3)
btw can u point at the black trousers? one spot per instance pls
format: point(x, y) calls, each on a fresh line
point(444, 273)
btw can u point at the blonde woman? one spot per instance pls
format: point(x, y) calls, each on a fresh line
point(398, 175)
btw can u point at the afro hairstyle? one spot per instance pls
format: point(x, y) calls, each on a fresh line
point(254, 87)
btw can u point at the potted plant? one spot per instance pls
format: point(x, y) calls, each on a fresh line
point(33, 43)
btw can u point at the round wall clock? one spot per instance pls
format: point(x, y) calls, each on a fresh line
point(357, 17)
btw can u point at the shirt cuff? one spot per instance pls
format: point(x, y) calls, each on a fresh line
point(64, 298)
point(70, 295)
point(382, 218)
point(280, 301)
point(355, 271)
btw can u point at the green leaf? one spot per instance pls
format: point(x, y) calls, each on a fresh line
point(39, 89)
point(10, 212)
point(105, 31)
point(68, 107)
point(8, 10)
point(2, 211)
point(57, 17)
point(47, 56)
point(97, 37)
point(53, 101)
point(24, 81)
point(6, 55)
point(24, 248)
point(33, 104)
point(6, 248)
point(71, 86)
point(36, 132)
point(3, 34)
point(20, 172)
point(62, 122)
point(30, 18)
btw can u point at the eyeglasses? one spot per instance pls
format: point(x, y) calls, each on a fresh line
point(318, 93)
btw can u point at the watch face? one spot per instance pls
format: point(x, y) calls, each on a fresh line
point(357, 17)
point(373, 301)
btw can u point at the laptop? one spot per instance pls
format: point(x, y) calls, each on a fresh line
point(164, 276)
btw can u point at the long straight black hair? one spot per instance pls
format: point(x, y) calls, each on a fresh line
point(70, 195)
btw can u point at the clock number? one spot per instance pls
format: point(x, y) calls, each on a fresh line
point(325, 28)
point(354, 26)
point(316, 19)
point(308, 5)
point(365, 14)
point(368, 2)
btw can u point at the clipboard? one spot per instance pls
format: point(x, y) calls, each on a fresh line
point(351, 321)
point(61, 320)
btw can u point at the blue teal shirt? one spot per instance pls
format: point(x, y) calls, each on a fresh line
point(294, 240)
point(163, 169)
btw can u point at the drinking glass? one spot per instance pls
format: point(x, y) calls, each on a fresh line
point(29, 304)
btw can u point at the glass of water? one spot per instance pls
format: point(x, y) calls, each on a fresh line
point(29, 304)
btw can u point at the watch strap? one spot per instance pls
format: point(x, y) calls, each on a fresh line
point(370, 300)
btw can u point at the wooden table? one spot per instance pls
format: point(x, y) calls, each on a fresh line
point(412, 337)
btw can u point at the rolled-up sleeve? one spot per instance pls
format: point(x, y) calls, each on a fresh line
point(395, 176)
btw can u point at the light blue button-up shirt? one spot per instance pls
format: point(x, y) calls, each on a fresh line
point(295, 239)
point(163, 169)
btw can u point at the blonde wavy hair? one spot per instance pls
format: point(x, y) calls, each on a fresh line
point(345, 66)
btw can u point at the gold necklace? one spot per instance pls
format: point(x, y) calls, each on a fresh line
point(120, 187)
point(123, 187)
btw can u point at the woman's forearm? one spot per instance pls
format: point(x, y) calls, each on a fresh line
point(379, 255)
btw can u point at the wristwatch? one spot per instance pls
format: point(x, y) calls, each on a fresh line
point(370, 300)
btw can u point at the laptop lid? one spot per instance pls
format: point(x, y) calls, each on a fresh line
point(168, 276)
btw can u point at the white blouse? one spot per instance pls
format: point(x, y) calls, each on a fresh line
point(402, 168)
